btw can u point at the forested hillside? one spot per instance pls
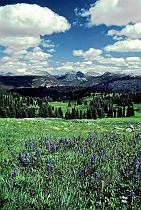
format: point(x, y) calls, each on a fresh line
point(99, 105)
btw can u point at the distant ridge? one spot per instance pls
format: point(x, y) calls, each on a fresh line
point(106, 82)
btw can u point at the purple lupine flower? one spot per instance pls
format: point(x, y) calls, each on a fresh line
point(131, 197)
point(48, 168)
point(14, 174)
point(52, 169)
point(96, 175)
point(31, 147)
point(135, 141)
point(136, 178)
point(136, 161)
point(103, 152)
point(93, 158)
point(26, 144)
point(96, 144)
point(25, 160)
point(127, 170)
point(54, 146)
point(106, 135)
point(68, 142)
point(135, 169)
point(38, 152)
point(26, 154)
point(89, 137)
point(61, 141)
point(86, 144)
point(137, 135)
point(81, 172)
point(48, 145)
point(132, 193)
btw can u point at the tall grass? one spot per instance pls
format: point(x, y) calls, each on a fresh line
point(58, 164)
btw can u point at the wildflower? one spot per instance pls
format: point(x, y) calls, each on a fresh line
point(25, 160)
point(54, 146)
point(38, 153)
point(97, 204)
point(86, 144)
point(48, 145)
point(48, 168)
point(14, 174)
point(137, 135)
point(106, 135)
point(136, 161)
point(96, 145)
point(81, 172)
point(131, 197)
point(68, 142)
point(124, 200)
point(61, 141)
point(132, 193)
point(26, 153)
point(26, 144)
point(103, 152)
point(136, 178)
point(31, 147)
point(96, 175)
point(93, 158)
point(20, 155)
point(74, 141)
point(127, 170)
point(135, 170)
point(106, 199)
point(52, 169)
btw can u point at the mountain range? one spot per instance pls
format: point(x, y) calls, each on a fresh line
point(108, 81)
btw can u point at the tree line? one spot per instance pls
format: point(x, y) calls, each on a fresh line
point(102, 105)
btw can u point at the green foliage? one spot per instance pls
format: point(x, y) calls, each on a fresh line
point(87, 162)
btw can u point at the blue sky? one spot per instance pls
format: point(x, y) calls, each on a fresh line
point(57, 36)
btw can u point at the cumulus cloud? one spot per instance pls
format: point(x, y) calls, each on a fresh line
point(128, 45)
point(90, 55)
point(21, 25)
point(130, 31)
point(25, 61)
point(113, 12)
point(99, 62)
point(30, 20)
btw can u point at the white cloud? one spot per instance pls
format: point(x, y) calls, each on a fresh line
point(101, 63)
point(51, 50)
point(22, 27)
point(31, 20)
point(130, 31)
point(90, 55)
point(19, 42)
point(114, 12)
point(22, 24)
point(128, 45)
point(25, 62)
point(112, 32)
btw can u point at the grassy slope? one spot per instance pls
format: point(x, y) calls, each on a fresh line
point(18, 130)
point(15, 132)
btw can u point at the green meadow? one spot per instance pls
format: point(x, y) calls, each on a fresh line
point(50, 163)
